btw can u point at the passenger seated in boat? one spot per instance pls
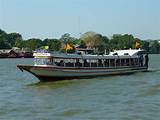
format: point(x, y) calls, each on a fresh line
point(132, 62)
point(112, 62)
point(122, 62)
point(61, 63)
point(141, 60)
point(69, 64)
point(136, 62)
point(100, 63)
point(127, 62)
point(86, 63)
point(117, 62)
point(146, 60)
point(93, 64)
point(78, 64)
point(106, 62)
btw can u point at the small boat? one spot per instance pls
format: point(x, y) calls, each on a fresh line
point(60, 66)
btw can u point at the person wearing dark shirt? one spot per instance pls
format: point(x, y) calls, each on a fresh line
point(146, 60)
point(141, 60)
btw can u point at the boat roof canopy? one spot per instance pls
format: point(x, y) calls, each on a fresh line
point(116, 54)
point(130, 52)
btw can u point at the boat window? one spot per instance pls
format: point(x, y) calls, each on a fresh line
point(43, 61)
point(112, 62)
point(86, 63)
point(78, 63)
point(59, 62)
point(126, 54)
point(115, 53)
point(93, 63)
point(106, 62)
point(125, 62)
point(100, 63)
point(118, 62)
point(134, 61)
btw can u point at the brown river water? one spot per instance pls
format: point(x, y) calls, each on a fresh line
point(123, 97)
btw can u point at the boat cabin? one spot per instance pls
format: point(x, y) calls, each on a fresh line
point(119, 58)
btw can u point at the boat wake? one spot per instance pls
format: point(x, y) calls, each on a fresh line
point(153, 70)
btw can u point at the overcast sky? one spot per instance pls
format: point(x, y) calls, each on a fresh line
point(52, 18)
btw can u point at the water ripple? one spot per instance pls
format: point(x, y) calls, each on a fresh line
point(127, 97)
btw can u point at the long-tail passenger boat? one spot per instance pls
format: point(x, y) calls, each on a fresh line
point(53, 66)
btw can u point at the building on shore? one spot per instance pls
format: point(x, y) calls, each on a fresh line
point(15, 53)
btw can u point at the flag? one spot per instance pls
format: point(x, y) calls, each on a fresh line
point(69, 47)
point(137, 45)
point(46, 47)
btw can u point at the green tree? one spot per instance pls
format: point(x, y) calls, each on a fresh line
point(106, 44)
point(4, 44)
point(145, 45)
point(54, 44)
point(82, 44)
point(122, 42)
point(96, 41)
point(20, 43)
point(13, 37)
point(88, 38)
point(155, 47)
point(67, 39)
point(33, 43)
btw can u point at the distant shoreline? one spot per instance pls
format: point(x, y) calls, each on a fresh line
point(9, 53)
point(21, 57)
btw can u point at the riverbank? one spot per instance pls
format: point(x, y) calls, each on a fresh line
point(9, 53)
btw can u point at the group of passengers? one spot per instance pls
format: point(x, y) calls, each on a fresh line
point(141, 61)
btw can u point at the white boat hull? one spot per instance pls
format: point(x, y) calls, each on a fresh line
point(59, 73)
